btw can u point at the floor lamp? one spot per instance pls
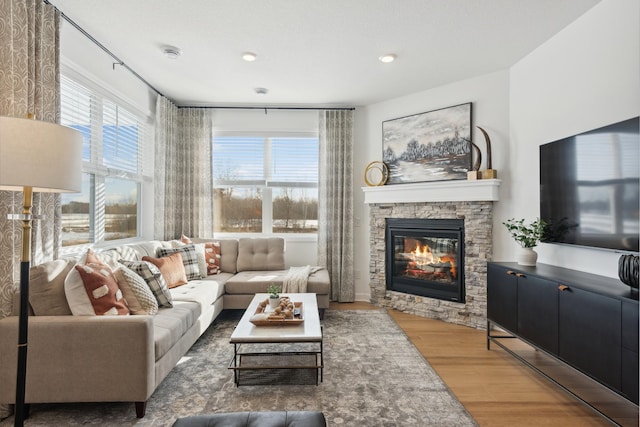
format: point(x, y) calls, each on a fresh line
point(42, 157)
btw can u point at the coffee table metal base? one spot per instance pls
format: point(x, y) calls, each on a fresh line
point(283, 367)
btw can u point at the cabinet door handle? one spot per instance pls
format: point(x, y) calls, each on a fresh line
point(510, 272)
point(520, 275)
point(563, 287)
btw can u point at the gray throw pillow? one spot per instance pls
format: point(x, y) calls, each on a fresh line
point(46, 288)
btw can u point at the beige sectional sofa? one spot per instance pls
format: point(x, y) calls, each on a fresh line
point(75, 358)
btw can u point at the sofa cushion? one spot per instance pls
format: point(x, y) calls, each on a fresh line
point(189, 259)
point(250, 282)
point(136, 291)
point(229, 256)
point(260, 254)
point(135, 251)
point(171, 267)
point(169, 325)
point(46, 287)
point(109, 257)
point(100, 284)
point(153, 277)
point(204, 292)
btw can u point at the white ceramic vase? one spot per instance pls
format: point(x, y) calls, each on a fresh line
point(527, 256)
point(274, 302)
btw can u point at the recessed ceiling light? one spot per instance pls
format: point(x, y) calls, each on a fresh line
point(261, 90)
point(171, 52)
point(249, 56)
point(389, 57)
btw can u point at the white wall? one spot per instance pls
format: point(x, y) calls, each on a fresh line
point(257, 120)
point(80, 53)
point(585, 77)
point(490, 110)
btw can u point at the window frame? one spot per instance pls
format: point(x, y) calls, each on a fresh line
point(98, 171)
point(265, 184)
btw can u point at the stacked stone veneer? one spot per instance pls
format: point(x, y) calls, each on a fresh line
point(477, 218)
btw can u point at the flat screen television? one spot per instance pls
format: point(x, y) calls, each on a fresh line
point(590, 186)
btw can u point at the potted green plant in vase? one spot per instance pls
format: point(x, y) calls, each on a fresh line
point(274, 295)
point(527, 235)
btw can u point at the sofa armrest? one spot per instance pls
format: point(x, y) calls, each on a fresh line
point(80, 358)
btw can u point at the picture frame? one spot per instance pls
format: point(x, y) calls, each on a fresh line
point(430, 146)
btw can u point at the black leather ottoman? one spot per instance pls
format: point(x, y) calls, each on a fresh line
point(255, 419)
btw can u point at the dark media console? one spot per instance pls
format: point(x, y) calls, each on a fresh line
point(588, 322)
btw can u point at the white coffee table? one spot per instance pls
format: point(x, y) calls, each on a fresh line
point(309, 331)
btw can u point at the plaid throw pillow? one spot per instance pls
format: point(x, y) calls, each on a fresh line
point(211, 255)
point(151, 274)
point(189, 259)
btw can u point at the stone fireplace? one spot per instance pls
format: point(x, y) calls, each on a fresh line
point(467, 203)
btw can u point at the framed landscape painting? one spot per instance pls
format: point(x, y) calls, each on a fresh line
point(431, 146)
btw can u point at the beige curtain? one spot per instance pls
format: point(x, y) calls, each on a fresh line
point(29, 83)
point(183, 182)
point(335, 204)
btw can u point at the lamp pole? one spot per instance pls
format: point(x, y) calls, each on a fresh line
point(23, 321)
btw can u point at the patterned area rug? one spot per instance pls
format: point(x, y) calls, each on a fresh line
point(373, 376)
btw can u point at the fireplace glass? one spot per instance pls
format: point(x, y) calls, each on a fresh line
point(425, 257)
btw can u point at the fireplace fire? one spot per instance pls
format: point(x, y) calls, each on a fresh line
point(425, 257)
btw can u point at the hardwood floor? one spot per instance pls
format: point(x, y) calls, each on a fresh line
point(494, 387)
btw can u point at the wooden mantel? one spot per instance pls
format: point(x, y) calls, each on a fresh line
point(438, 191)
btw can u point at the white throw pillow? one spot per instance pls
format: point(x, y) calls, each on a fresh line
point(76, 293)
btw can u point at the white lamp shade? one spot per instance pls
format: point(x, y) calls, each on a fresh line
point(44, 156)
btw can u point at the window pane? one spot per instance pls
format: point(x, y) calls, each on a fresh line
point(295, 210)
point(121, 208)
point(76, 222)
point(294, 160)
point(119, 138)
point(238, 159)
point(238, 209)
point(75, 111)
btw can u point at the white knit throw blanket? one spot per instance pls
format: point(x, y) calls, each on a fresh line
point(296, 279)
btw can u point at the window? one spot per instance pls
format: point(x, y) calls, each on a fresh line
point(108, 207)
point(265, 184)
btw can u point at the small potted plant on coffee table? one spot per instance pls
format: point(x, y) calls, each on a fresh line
point(274, 295)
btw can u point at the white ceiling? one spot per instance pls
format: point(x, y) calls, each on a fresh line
point(317, 52)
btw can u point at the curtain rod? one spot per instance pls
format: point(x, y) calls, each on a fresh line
point(101, 46)
point(213, 107)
